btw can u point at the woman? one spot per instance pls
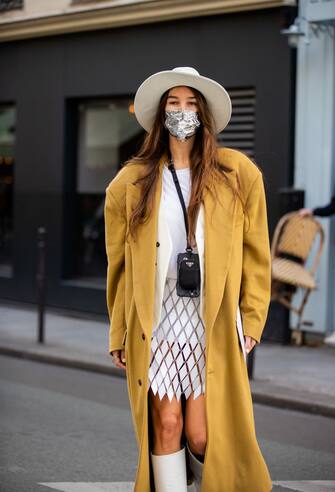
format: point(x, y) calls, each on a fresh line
point(184, 355)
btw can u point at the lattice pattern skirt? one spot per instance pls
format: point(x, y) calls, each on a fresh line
point(177, 363)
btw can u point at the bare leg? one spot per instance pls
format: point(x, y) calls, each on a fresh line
point(196, 435)
point(168, 459)
point(167, 419)
point(195, 424)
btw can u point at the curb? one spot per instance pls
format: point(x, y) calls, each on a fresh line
point(62, 361)
point(263, 398)
point(293, 404)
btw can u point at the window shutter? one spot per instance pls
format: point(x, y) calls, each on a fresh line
point(240, 132)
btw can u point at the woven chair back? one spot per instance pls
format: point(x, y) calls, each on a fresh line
point(297, 236)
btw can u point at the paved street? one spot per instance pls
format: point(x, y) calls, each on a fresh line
point(71, 430)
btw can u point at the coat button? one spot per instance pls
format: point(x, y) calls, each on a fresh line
point(143, 336)
point(140, 382)
point(157, 244)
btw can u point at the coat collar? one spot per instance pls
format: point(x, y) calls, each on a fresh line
point(218, 236)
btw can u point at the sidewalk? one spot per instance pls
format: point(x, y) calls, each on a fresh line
point(293, 377)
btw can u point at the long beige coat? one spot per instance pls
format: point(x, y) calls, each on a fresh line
point(236, 274)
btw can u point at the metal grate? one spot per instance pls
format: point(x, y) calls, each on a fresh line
point(10, 5)
point(240, 132)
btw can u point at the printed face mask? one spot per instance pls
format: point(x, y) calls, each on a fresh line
point(181, 124)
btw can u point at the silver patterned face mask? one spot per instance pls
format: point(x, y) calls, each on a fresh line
point(182, 124)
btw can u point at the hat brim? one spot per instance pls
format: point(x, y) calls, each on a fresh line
point(150, 91)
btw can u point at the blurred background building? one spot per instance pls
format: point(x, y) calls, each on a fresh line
point(314, 169)
point(69, 72)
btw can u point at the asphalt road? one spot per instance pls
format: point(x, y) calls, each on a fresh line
point(72, 430)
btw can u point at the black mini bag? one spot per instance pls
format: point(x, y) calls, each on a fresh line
point(188, 266)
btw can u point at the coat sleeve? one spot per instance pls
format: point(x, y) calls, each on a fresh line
point(115, 231)
point(327, 210)
point(256, 268)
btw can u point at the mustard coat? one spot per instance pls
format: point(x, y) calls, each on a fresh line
point(236, 278)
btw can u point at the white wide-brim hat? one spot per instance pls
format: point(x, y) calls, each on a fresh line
point(148, 95)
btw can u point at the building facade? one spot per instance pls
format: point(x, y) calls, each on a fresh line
point(315, 144)
point(67, 123)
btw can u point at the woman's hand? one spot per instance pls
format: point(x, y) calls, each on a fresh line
point(303, 212)
point(249, 343)
point(118, 356)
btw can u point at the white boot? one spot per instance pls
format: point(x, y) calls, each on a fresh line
point(196, 467)
point(170, 471)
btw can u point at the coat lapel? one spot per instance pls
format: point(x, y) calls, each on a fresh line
point(144, 254)
point(214, 236)
point(164, 251)
point(219, 227)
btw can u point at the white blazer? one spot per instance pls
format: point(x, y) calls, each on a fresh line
point(164, 251)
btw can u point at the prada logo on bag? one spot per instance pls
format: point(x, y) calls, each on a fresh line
point(189, 263)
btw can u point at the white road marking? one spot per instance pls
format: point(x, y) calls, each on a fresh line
point(299, 486)
point(90, 486)
point(308, 485)
point(95, 486)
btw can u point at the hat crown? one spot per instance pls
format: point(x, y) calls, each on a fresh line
point(187, 70)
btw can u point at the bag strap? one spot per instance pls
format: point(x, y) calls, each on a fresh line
point(181, 199)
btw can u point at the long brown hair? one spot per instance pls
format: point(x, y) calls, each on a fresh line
point(205, 168)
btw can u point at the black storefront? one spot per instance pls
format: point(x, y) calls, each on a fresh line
point(67, 122)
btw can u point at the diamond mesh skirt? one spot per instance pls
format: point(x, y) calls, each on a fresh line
point(177, 361)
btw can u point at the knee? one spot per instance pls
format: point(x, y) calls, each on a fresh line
point(169, 426)
point(197, 441)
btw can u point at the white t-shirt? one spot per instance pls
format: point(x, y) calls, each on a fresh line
point(174, 212)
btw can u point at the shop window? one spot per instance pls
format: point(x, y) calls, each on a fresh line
point(10, 5)
point(7, 142)
point(107, 135)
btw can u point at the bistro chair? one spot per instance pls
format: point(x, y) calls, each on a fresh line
point(291, 247)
